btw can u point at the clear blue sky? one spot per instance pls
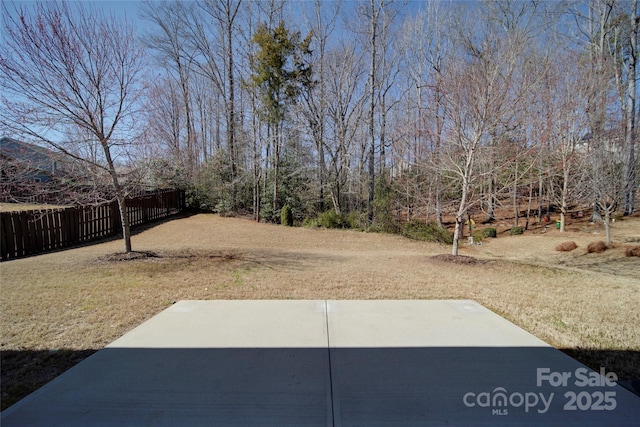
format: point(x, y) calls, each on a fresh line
point(129, 8)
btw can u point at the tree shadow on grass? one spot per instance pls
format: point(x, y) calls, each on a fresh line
point(24, 371)
point(625, 363)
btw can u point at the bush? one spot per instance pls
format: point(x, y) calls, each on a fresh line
point(566, 246)
point(478, 236)
point(489, 232)
point(632, 251)
point(224, 207)
point(516, 231)
point(356, 220)
point(266, 212)
point(310, 223)
point(286, 216)
point(596, 247)
point(331, 219)
point(430, 232)
point(384, 213)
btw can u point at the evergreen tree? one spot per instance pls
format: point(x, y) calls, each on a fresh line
point(279, 71)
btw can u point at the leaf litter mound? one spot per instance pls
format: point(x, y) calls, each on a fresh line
point(128, 256)
point(182, 254)
point(456, 259)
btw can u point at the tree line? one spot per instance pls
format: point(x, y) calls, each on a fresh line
point(384, 110)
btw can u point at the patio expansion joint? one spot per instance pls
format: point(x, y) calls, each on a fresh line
point(331, 389)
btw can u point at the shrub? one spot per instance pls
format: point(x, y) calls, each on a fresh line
point(489, 232)
point(331, 219)
point(566, 246)
point(384, 203)
point(632, 251)
point(515, 231)
point(355, 220)
point(478, 236)
point(266, 212)
point(596, 247)
point(430, 232)
point(286, 216)
point(310, 223)
point(224, 207)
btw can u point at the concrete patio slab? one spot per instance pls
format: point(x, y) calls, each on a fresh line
point(457, 363)
point(323, 363)
point(226, 363)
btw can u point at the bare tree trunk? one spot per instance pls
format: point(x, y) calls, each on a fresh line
point(231, 118)
point(372, 102)
point(226, 12)
point(276, 168)
point(439, 129)
point(456, 236)
point(564, 198)
point(630, 175)
point(120, 197)
point(491, 200)
point(540, 196)
point(257, 162)
point(462, 207)
point(322, 167)
point(526, 226)
point(124, 220)
point(607, 224)
point(383, 134)
point(186, 99)
point(516, 212)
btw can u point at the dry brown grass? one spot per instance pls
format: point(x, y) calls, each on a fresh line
point(566, 246)
point(68, 303)
point(15, 207)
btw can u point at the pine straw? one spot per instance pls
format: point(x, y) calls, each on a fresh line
point(566, 246)
point(70, 303)
point(596, 247)
point(632, 251)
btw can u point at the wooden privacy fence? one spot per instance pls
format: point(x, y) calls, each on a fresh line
point(32, 232)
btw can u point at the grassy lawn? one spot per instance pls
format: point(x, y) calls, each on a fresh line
point(14, 207)
point(58, 308)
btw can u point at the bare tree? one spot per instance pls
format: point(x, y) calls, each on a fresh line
point(468, 116)
point(344, 76)
point(388, 69)
point(609, 161)
point(219, 66)
point(630, 129)
point(377, 16)
point(169, 42)
point(373, 14)
point(613, 176)
point(64, 68)
point(567, 106)
point(425, 42)
point(315, 98)
point(481, 97)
